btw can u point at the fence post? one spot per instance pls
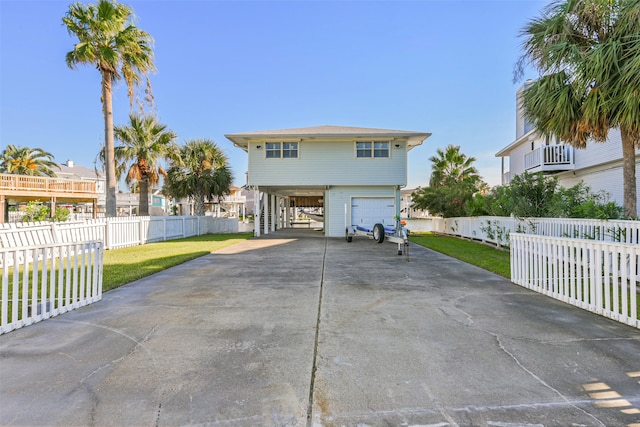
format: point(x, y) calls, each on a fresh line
point(55, 232)
point(107, 234)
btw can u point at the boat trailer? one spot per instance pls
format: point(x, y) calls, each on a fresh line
point(380, 233)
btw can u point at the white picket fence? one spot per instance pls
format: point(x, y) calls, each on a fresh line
point(114, 232)
point(497, 230)
point(602, 277)
point(39, 282)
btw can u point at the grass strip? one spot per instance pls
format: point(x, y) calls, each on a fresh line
point(478, 254)
point(122, 266)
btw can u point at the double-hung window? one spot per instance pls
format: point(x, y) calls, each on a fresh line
point(372, 149)
point(281, 150)
point(273, 150)
point(289, 150)
point(363, 149)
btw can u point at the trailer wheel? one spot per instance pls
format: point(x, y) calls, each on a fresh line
point(347, 237)
point(378, 233)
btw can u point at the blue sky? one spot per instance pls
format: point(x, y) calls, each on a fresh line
point(444, 67)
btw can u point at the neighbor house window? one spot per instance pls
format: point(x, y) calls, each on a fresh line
point(282, 150)
point(273, 150)
point(375, 149)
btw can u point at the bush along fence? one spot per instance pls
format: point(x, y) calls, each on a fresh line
point(114, 232)
point(598, 276)
point(497, 230)
point(39, 282)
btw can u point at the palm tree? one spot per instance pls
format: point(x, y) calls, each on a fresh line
point(451, 166)
point(454, 180)
point(108, 40)
point(201, 173)
point(145, 143)
point(588, 55)
point(27, 161)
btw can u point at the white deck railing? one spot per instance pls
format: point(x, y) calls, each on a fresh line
point(497, 230)
point(114, 232)
point(550, 157)
point(39, 282)
point(601, 277)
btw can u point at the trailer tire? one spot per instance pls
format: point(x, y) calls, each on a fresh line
point(347, 237)
point(378, 233)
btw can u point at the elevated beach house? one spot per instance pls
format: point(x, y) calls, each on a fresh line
point(354, 174)
point(599, 165)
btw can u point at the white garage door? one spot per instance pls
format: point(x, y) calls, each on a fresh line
point(366, 212)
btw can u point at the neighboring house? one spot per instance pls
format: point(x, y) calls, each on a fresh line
point(70, 170)
point(232, 205)
point(354, 174)
point(78, 188)
point(406, 203)
point(127, 204)
point(599, 165)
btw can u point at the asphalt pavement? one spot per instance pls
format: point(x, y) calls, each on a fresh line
point(294, 329)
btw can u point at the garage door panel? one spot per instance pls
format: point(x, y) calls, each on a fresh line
point(368, 211)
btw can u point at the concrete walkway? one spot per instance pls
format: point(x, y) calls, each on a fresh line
point(296, 329)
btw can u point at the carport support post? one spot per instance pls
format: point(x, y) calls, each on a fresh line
point(287, 212)
point(256, 212)
point(274, 212)
point(265, 212)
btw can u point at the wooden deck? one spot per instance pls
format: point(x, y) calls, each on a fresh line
point(56, 190)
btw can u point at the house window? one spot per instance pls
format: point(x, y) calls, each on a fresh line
point(363, 149)
point(375, 149)
point(273, 150)
point(282, 150)
point(381, 149)
point(290, 150)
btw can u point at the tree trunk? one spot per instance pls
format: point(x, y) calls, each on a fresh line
point(629, 174)
point(143, 204)
point(110, 163)
point(199, 204)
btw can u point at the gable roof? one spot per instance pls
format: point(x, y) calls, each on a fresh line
point(241, 140)
point(78, 172)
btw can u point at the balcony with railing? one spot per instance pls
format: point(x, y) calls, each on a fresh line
point(36, 186)
point(550, 158)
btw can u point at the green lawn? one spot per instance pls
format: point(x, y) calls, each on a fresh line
point(125, 265)
point(483, 256)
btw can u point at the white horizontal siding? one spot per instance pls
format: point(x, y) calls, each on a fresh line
point(337, 197)
point(327, 163)
point(606, 178)
point(597, 153)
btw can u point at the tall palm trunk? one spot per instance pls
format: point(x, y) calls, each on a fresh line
point(143, 204)
point(629, 174)
point(110, 163)
point(199, 204)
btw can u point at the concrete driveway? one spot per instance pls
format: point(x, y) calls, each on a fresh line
point(296, 329)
